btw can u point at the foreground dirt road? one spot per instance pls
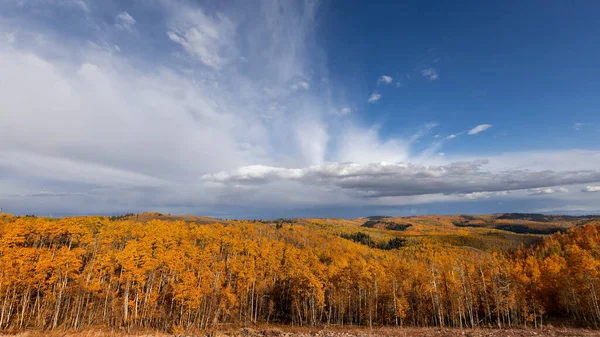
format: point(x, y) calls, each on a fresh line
point(387, 332)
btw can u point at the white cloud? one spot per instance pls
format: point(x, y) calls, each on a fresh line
point(547, 190)
point(422, 132)
point(300, 85)
point(430, 74)
point(385, 79)
point(82, 4)
point(479, 128)
point(435, 145)
point(484, 195)
point(124, 21)
point(375, 96)
point(46, 6)
point(10, 38)
point(106, 119)
point(539, 160)
point(364, 145)
point(209, 39)
point(583, 126)
point(344, 111)
point(591, 189)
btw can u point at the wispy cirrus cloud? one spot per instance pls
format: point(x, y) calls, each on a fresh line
point(300, 85)
point(124, 21)
point(207, 85)
point(83, 5)
point(210, 39)
point(479, 128)
point(584, 127)
point(344, 111)
point(430, 73)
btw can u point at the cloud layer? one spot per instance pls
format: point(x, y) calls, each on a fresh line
point(391, 180)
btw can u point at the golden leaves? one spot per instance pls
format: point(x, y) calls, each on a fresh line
point(161, 274)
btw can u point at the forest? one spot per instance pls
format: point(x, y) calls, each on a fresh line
point(175, 273)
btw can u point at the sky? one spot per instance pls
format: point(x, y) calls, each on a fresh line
point(267, 109)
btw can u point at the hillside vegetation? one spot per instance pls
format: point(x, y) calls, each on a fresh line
point(154, 271)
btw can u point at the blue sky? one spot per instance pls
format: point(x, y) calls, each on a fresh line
point(299, 108)
point(511, 64)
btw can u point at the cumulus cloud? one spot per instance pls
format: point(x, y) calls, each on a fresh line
point(124, 21)
point(385, 79)
point(479, 128)
point(591, 189)
point(430, 74)
point(375, 96)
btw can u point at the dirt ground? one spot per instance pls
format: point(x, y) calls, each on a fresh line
point(359, 332)
point(422, 332)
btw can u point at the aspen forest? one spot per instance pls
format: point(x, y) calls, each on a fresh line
point(174, 274)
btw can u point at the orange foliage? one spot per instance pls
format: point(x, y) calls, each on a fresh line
point(83, 271)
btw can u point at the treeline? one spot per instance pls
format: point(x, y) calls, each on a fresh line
point(517, 228)
point(365, 239)
point(390, 225)
point(85, 271)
